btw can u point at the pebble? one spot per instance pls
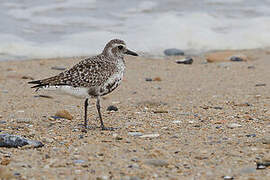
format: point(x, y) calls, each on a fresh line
point(234, 125)
point(112, 108)
point(260, 84)
point(237, 58)
point(64, 114)
point(251, 67)
point(149, 136)
point(148, 79)
point(60, 68)
point(79, 161)
point(157, 162)
point(160, 111)
point(27, 77)
point(43, 96)
point(173, 52)
point(251, 135)
point(133, 166)
point(7, 140)
point(187, 60)
point(135, 133)
point(225, 56)
point(228, 177)
point(157, 79)
point(176, 122)
point(263, 165)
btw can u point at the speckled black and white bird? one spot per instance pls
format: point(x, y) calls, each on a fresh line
point(92, 77)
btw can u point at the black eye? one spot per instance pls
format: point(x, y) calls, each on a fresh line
point(120, 47)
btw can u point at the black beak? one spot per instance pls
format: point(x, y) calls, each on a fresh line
point(131, 52)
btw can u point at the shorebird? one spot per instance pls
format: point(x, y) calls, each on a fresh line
point(92, 77)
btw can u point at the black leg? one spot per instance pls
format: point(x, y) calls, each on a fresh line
point(100, 117)
point(85, 112)
point(99, 113)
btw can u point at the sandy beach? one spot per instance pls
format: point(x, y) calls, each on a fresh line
point(198, 121)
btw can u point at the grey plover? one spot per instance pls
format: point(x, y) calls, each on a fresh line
point(92, 77)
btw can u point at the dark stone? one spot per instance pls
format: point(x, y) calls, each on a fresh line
point(263, 165)
point(251, 67)
point(260, 84)
point(187, 60)
point(251, 135)
point(236, 58)
point(219, 108)
point(173, 52)
point(112, 108)
point(148, 79)
point(14, 141)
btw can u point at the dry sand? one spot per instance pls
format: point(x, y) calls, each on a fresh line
point(189, 111)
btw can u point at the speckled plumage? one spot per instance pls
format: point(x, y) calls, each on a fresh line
point(92, 77)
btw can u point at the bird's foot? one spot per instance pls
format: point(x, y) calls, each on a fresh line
point(103, 128)
point(85, 128)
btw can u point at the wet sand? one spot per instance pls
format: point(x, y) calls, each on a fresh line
point(205, 121)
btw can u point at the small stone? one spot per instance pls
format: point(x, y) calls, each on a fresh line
point(237, 58)
point(149, 136)
point(218, 108)
point(251, 67)
point(228, 177)
point(225, 56)
point(263, 164)
point(135, 133)
point(133, 166)
point(160, 111)
point(177, 122)
point(251, 135)
point(173, 52)
point(234, 125)
point(134, 159)
point(79, 161)
point(157, 79)
point(112, 108)
point(148, 79)
point(7, 140)
point(157, 162)
point(187, 60)
point(102, 178)
point(27, 77)
point(64, 114)
point(260, 84)
point(243, 104)
point(60, 68)
point(43, 96)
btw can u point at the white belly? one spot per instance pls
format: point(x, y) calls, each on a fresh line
point(78, 92)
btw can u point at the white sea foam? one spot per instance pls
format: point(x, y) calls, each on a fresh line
point(73, 28)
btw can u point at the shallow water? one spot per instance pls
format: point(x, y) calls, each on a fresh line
point(63, 28)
